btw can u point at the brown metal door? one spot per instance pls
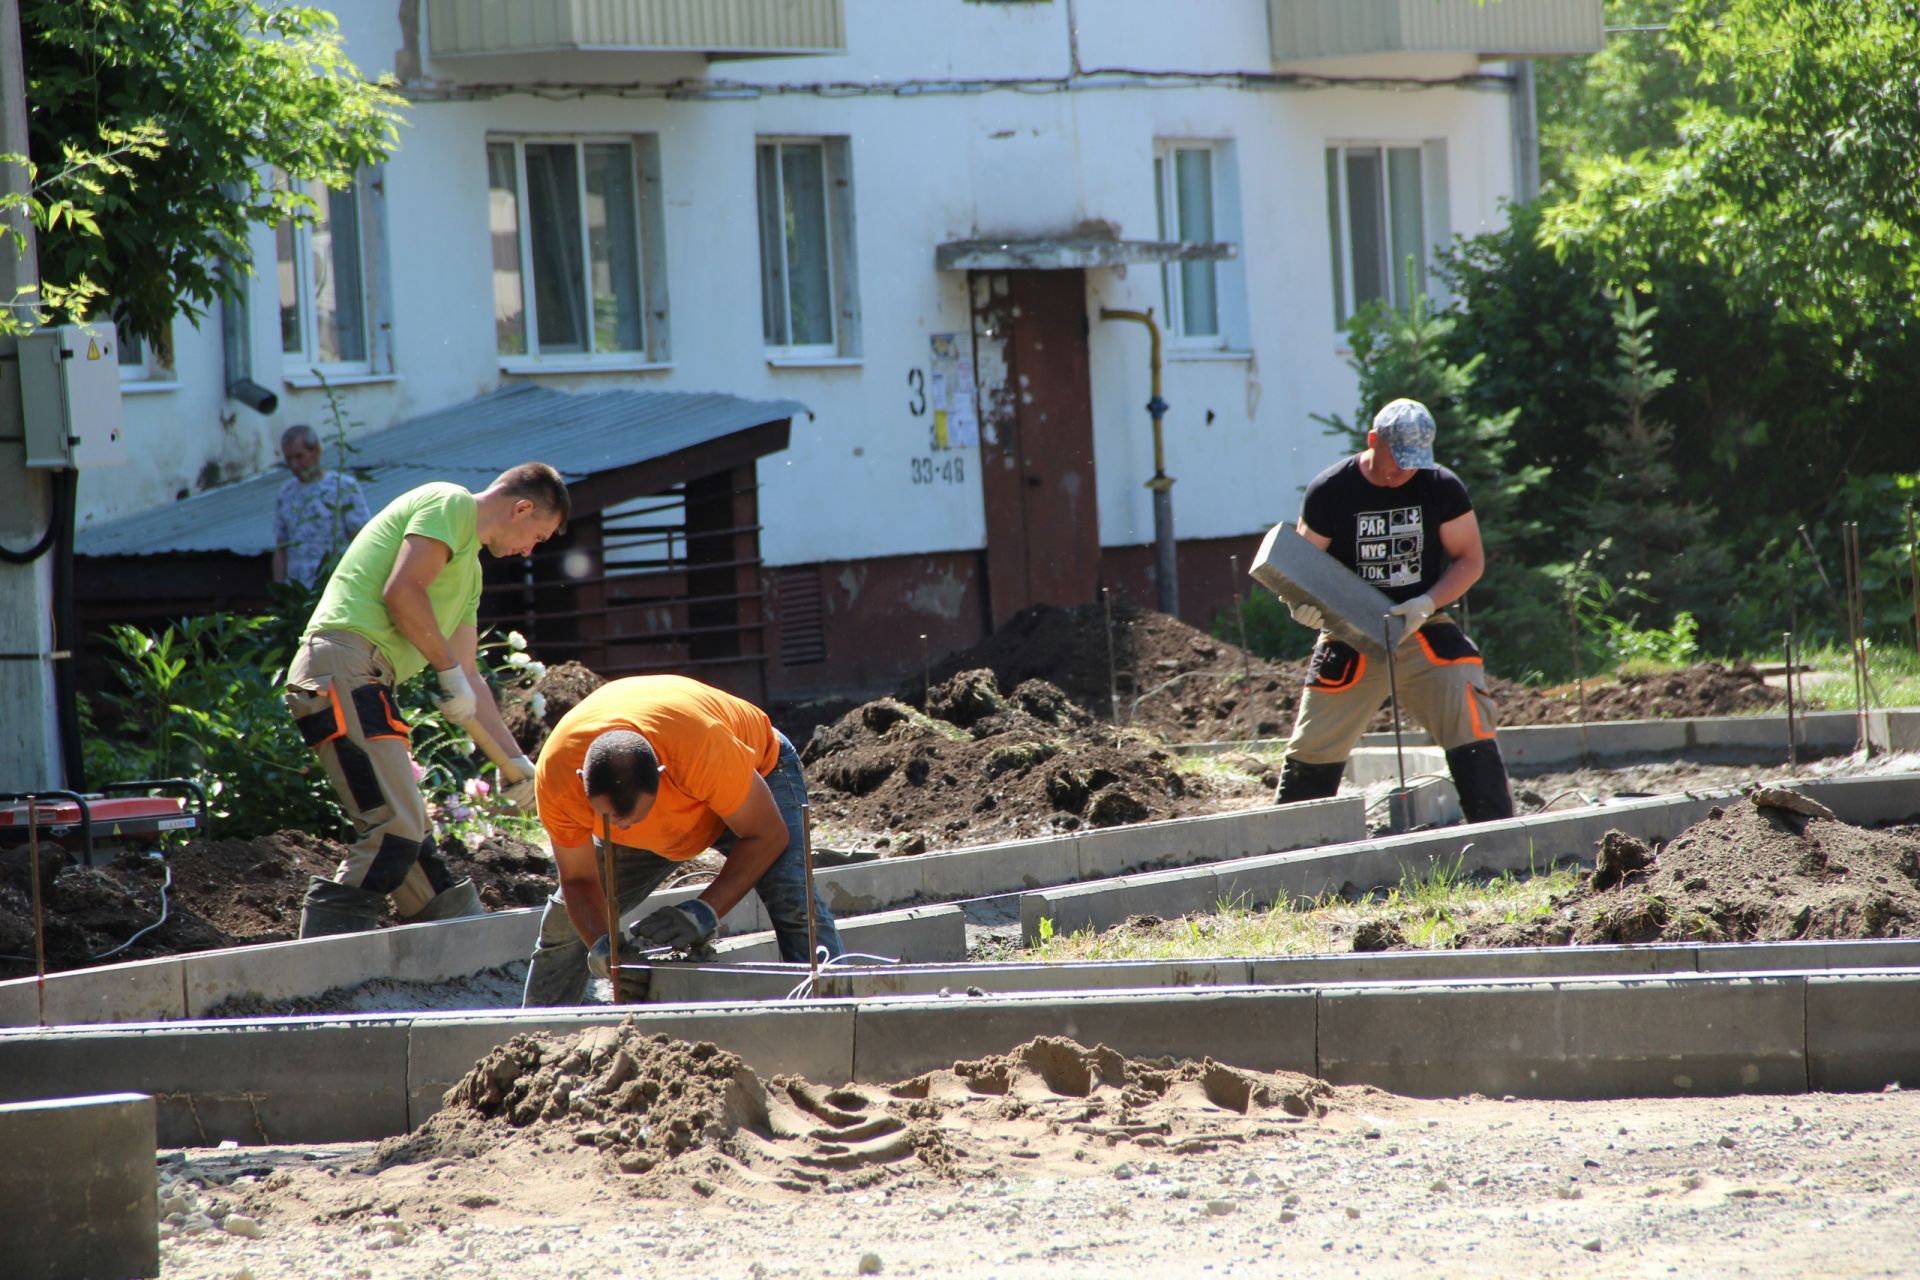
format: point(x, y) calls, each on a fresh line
point(1036, 439)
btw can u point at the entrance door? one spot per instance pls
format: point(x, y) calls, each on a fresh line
point(1036, 438)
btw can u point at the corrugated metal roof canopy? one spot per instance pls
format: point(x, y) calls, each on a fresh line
point(1063, 253)
point(469, 444)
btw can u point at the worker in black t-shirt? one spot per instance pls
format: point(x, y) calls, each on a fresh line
point(1404, 525)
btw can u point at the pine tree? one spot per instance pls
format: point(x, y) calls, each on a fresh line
point(1658, 548)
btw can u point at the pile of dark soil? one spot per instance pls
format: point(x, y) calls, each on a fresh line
point(224, 893)
point(982, 765)
point(560, 691)
point(1752, 871)
point(1151, 671)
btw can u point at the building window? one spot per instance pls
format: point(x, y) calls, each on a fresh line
point(807, 294)
point(574, 253)
point(1184, 198)
point(143, 361)
point(1385, 205)
point(329, 306)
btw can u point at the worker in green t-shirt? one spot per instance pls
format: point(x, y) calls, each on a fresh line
point(406, 595)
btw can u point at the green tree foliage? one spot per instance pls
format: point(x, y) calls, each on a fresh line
point(238, 88)
point(1406, 352)
point(1626, 98)
point(1793, 169)
point(1656, 544)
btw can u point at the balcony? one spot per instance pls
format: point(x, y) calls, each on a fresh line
point(1305, 30)
point(714, 28)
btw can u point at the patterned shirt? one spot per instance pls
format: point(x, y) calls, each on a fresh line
point(314, 521)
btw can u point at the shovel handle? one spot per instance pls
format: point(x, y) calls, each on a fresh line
point(508, 770)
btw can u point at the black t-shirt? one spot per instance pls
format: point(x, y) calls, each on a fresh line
point(1389, 537)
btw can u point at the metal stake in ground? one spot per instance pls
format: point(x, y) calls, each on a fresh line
point(1113, 678)
point(1240, 616)
point(1393, 698)
point(1913, 570)
point(926, 674)
point(39, 921)
point(806, 857)
point(1786, 638)
point(610, 887)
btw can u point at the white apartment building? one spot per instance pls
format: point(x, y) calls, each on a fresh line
point(907, 216)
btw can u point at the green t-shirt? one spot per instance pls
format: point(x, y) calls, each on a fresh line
point(355, 596)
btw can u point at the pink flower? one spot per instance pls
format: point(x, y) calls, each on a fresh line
point(478, 788)
point(418, 772)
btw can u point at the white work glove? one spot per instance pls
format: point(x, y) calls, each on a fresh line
point(456, 702)
point(1416, 611)
point(685, 926)
point(520, 792)
point(1307, 615)
point(599, 957)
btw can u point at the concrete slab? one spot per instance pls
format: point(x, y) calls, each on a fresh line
point(138, 991)
point(1268, 1031)
point(271, 1080)
point(1868, 953)
point(813, 1038)
point(917, 935)
point(1006, 979)
point(1882, 798)
point(1369, 766)
point(1863, 1032)
point(1299, 572)
point(80, 1188)
point(1593, 1038)
point(1102, 905)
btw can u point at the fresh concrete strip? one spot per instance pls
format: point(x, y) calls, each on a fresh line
point(80, 1188)
point(1520, 845)
point(725, 983)
point(356, 1078)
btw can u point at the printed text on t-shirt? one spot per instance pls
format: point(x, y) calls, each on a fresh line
point(1388, 545)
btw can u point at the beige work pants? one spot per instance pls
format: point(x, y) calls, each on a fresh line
point(341, 693)
point(1442, 685)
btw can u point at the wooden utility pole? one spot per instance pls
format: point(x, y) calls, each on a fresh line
point(30, 758)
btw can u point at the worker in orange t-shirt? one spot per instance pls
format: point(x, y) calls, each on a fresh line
point(669, 767)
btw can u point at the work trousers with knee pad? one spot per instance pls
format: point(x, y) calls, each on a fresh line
point(558, 972)
point(341, 693)
point(1442, 686)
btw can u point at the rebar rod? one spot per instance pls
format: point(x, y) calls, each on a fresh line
point(610, 888)
point(806, 851)
point(39, 920)
point(1786, 638)
point(1240, 616)
point(1393, 697)
point(1913, 570)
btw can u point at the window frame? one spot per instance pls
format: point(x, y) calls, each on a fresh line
point(650, 301)
point(841, 265)
point(1430, 198)
point(1166, 153)
point(302, 366)
point(153, 371)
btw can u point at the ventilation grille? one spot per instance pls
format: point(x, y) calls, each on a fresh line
point(803, 619)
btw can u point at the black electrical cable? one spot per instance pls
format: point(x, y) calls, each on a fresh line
point(55, 520)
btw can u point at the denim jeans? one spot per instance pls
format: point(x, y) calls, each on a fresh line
point(558, 972)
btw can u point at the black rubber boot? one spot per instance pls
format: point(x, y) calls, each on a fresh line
point(1302, 781)
point(451, 903)
point(332, 907)
point(1480, 776)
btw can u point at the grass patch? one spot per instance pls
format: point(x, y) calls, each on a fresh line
point(1894, 670)
point(1427, 910)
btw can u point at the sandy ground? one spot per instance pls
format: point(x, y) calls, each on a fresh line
point(1815, 1185)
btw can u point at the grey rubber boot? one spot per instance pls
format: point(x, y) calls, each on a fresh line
point(1302, 781)
point(331, 907)
point(451, 903)
point(1480, 776)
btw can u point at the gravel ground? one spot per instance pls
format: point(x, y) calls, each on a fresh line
point(1811, 1185)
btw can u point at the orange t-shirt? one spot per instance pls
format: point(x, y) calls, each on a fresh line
point(709, 743)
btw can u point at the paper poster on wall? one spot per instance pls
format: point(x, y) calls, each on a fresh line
point(950, 393)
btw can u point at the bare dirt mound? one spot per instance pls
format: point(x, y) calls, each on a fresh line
point(546, 1122)
point(1151, 671)
point(531, 714)
point(1761, 869)
point(223, 893)
point(984, 765)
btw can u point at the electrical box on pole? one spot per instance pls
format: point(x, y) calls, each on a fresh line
point(70, 394)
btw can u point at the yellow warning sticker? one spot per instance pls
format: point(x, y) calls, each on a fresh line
point(93, 348)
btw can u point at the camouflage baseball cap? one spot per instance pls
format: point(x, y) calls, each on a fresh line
point(1406, 428)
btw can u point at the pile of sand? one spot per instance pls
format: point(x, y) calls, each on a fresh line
point(549, 1120)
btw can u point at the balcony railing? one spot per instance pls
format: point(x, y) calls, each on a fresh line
point(717, 28)
point(1304, 30)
